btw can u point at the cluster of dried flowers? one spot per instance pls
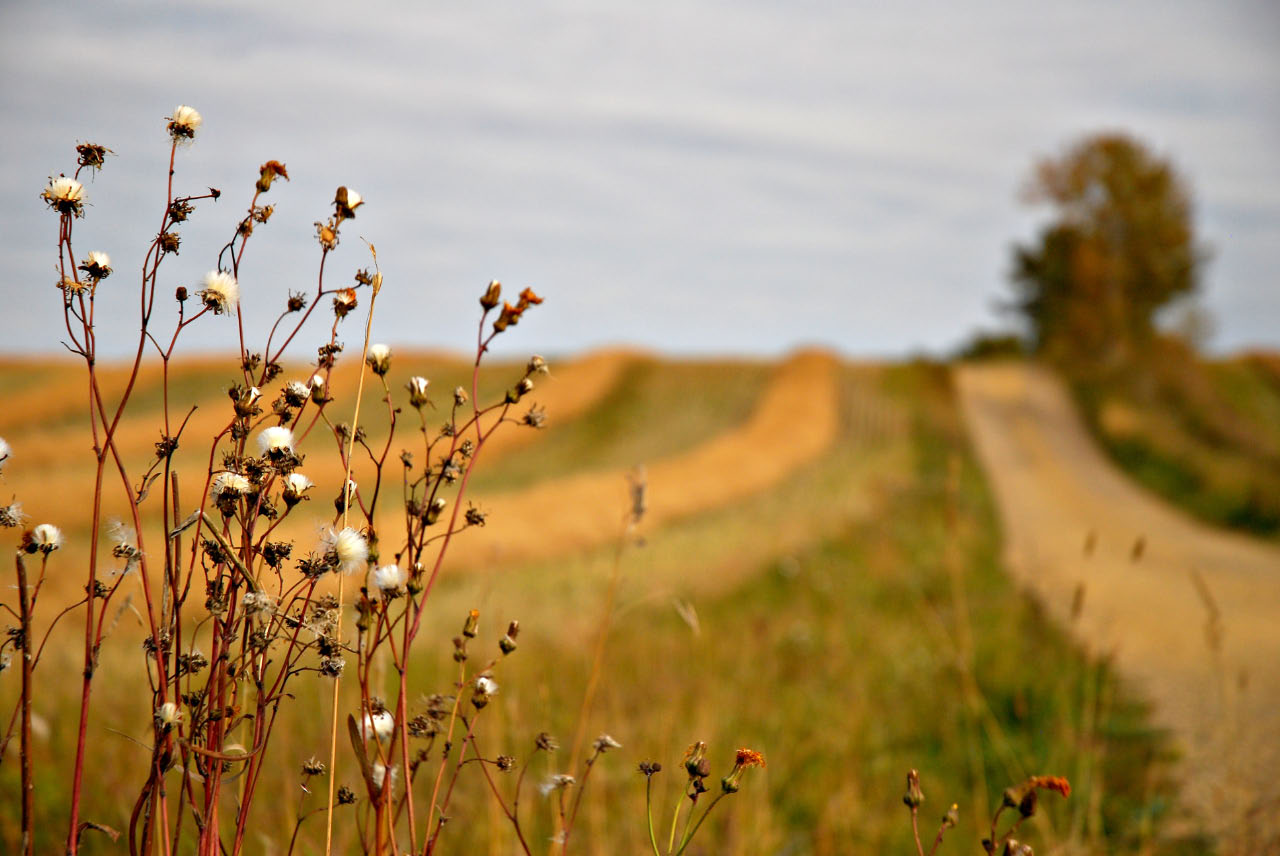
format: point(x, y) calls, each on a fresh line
point(234, 611)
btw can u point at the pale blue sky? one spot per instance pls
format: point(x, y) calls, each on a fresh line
point(692, 176)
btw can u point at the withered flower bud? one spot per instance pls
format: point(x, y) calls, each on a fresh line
point(180, 294)
point(345, 202)
point(344, 301)
point(952, 817)
point(492, 295)
point(476, 517)
point(267, 172)
point(507, 643)
point(417, 387)
point(297, 301)
point(459, 396)
point(471, 626)
point(92, 155)
point(913, 797)
point(346, 796)
point(546, 743)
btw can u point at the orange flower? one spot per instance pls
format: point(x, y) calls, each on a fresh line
point(1051, 783)
point(749, 758)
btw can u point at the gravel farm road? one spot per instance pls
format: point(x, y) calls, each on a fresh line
point(1190, 614)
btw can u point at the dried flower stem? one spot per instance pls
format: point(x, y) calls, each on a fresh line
point(346, 507)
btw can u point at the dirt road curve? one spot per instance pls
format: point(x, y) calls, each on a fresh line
point(1070, 518)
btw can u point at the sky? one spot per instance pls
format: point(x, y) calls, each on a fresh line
point(695, 177)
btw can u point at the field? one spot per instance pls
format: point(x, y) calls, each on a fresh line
point(818, 577)
point(1201, 433)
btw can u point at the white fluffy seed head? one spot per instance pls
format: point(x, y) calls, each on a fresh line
point(184, 122)
point(228, 482)
point(276, 439)
point(46, 537)
point(349, 548)
point(221, 292)
point(389, 577)
point(379, 358)
point(379, 725)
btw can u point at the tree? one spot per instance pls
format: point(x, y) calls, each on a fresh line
point(1120, 247)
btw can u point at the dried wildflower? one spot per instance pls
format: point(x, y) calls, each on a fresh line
point(295, 393)
point(184, 122)
point(332, 666)
point(1024, 797)
point(44, 538)
point(180, 210)
point(378, 773)
point(168, 242)
point(505, 763)
point(492, 295)
point(380, 724)
point(341, 501)
point(344, 301)
point(123, 542)
point(327, 234)
point(695, 761)
point(952, 817)
point(604, 743)
point(167, 716)
point(313, 767)
point(744, 759)
point(389, 578)
point(229, 484)
point(295, 486)
point(11, 515)
point(267, 172)
point(347, 549)
point(221, 292)
point(258, 603)
point(297, 301)
point(546, 743)
point(558, 782)
point(648, 768)
point(92, 155)
point(346, 796)
point(536, 417)
point(379, 359)
point(317, 389)
point(537, 365)
point(275, 442)
point(485, 688)
point(97, 265)
point(433, 510)
point(417, 387)
point(476, 517)
point(459, 396)
point(5, 452)
point(471, 626)
point(64, 195)
point(913, 797)
point(507, 643)
point(346, 201)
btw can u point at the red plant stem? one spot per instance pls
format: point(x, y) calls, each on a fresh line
point(28, 786)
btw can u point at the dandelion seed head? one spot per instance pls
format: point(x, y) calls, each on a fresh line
point(184, 122)
point(229, 483)
point(275, 440)
point(64, 195)
point(348, 548)
point(221, 292)
point(389, 577)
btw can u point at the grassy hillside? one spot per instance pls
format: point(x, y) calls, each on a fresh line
point(847, 616)
point(1203, 434)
